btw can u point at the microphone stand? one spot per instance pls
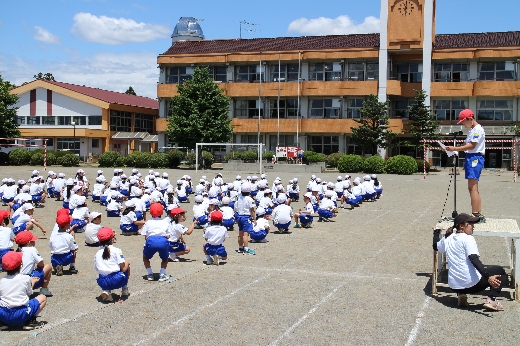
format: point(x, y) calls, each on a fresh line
point(455, 166)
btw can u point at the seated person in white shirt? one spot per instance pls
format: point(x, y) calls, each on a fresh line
point(326, 208)
point(261, 229)
point(92, 229)
point(282, 214)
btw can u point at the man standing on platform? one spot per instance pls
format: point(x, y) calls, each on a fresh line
point(475, 148)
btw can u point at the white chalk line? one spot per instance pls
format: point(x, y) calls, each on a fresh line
point(415, 331)
point(310, 312)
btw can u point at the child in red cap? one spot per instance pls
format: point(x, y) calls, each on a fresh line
point(156, 236)
point(215, 236)
point(33, 264)
point(63, 247)
point(113, 269)
point(6, 234)
point(15, 306)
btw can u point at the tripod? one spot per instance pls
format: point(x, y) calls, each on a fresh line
point(455, 166)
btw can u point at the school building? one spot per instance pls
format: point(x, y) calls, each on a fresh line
point(86, 121)
point(320, 82)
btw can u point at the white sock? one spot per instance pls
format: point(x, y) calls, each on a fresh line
point(150, 271)
point(173, 255)
point(163, 271)
point(208, 258)
point(246, 248)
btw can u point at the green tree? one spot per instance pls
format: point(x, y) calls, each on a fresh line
point(46, 76)
point(8, 111)
point(422, 124)
point(199, 114)
point(373, 124)
point(130, 91)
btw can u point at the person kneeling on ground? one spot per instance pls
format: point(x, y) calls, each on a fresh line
point(467, 274)
point(261, 229)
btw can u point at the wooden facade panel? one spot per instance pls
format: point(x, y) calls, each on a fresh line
point(191, 59)
point(339, 88)
point(398, 88)
point(499, 88)
point(166, 90)
point(454, 89)
point(161, 124)
point(63, 132)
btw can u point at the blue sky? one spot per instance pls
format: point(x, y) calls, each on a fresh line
point(113, 44)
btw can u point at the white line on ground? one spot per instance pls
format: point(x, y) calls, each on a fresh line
point(304, 317)
point(418, 321)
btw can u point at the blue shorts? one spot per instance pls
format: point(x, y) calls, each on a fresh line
point(7, 200)
point(124, 192)
point(359, 199)
point(473, 165)
point(139, 215)
point(129, 228)
point(306, 219)
point(283, 225)
point(113, 213)
point(244, 223)
point(177, 246)
point(182, 199)
point(254, 193)
point(19, 315)
point(351, 201)
point(202, 219)
point(189, 190)
point(96, 198)
point(62, 259)
point(294, 196)
point(112, 281)
point(19, 228)
point(65, 204)
point(81, 225)
point(52, 192)
point(16, 206)
point(228, 222)
point(36, 198)
point(13, 220)
point(260, 235)
point(147, 204)
point(325, 213)
point(154, 244)
point(339, 194)
point(97, 244)
point(102, 200)
point(219, 250)
point(38, 273)
point(268, 211)
point(232, 204)
point(379, 191)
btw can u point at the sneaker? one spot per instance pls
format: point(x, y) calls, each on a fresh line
point(150, 277)
point(493, 305)
point(462, 301)
point(482, 218)
point(216, 260)
point(31, 324)
point(59, 270)
point(250, 252)
point(174, 259)
point(125, 291)
point(73, 270)
point(163, 277)
point(240, 250)
point(297, 226)
point(107, 296)
point(45, 291)
point(3, 326)
point(210, 262)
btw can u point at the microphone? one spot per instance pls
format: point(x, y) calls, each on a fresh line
point(457, 133)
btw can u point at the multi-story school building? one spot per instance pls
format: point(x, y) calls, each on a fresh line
point(320, 82)
point(86, 121)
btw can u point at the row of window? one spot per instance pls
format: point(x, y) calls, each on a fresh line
point(122, 121)
point(60, 120)
point(321, 144)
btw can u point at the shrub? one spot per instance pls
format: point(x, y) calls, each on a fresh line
point(37, 159)
point(70, 160)
point(268, 155)
point(142, 160)
point(420, 166)
point(160, 160)
point(4, 159)
point(19, 157)
point(233, 155)
point(120, 162)
point(401, 164)
point(374, 164)
point(109, 159)
point(350, 164)
point(175, 157)
point(51, 158)
point(190, 157)
point(249, 155)
point(208, 159)
point(62, 153)
point(311, 156)
point(332, 159)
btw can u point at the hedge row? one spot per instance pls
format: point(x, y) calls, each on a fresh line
point(400, 164)
point(22, 157)
point(171, 159)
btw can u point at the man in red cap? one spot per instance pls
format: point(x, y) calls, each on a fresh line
point(475, 149)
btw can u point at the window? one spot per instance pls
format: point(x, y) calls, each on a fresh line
point(324, 144)
point(95, 142)
point(79, 120)
point(449, 109)
point(499, 70)
point(21, 120)
point(285, 141)
point(372, 70)
point(248, 139)
point(33, 120)
point(408, 72)
point(494, 110)
point(143, 123)
point(352, 107)
point(401, 108)
point(325, 71)
point(288, 108)
point(247, 109)
point(71, 144)
point(249, 73)
point(288, 72)
point(356, 70)
point(120, 121)
point(49, 120)
point(64, 121)
point(218, 73)
point(177, 75)
point(94, 120)
point(451, 72)
point(325, 108)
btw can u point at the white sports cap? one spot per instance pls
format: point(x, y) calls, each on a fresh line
point(246, 187)
point(226, 200)
point(93, 215)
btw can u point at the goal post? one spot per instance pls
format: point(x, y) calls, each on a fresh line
point(259, 146)
point(27, 143)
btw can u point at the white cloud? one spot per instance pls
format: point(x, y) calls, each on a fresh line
point(341, 25)
point(107, 71)
point(108, 30)
point(45, 36)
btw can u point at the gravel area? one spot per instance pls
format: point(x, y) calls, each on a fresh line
point(364, 279)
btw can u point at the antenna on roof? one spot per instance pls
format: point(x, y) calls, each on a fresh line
point(249, 27)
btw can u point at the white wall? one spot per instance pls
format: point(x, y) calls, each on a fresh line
point(24, 104)
point(61, 105)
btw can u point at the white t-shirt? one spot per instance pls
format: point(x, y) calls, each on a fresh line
point(21, 219)
point(265, 202)
point(327, 204)
point(181, 192)
point(309, 208)
point(339, 186)
point(30, 258)
point(23, 197)
point(80, 213)
point(261, 224)
point(477, 135)
point(369, 186)
point(176, 231)
point(114, 205)
point(155, 226)
point(15, 290)
point(62, 242)
point(98, 190)
point(73, 200)
point(59, 184)
point(282, 214)
point(140, 204)
point(216, 235)
point(35, 189)
point(462, 273)
point(10, 191)
point(244, 204)
point(91, 232)
point(227, 212)
point(199, 210)
point(128, 218)
point(6, 238)
point(111, 265)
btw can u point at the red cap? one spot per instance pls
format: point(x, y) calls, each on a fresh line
point(465, 114)
point(63, 220)
point(105, 234)
point(12, 260)
point(176, 211)
point(24, 237)
point(216, 216)
point(156, 209)
point(4, 214)
point(62, 211)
